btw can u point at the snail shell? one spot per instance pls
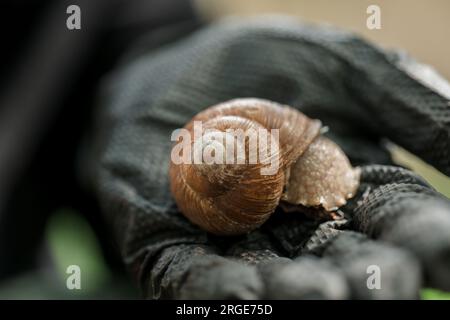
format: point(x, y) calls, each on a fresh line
point(231, 199)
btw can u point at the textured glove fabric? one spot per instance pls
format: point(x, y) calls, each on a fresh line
point(355, 255)
point(403, 211)
point(307, 277)
point(356, 89)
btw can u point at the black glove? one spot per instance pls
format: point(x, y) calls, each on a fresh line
point(362, 93)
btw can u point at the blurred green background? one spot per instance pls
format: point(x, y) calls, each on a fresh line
point(70, 241)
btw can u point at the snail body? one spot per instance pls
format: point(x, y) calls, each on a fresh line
point(230, 198)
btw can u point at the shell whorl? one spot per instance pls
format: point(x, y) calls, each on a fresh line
point(233, 199)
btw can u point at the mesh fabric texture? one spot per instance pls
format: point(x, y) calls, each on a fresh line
point(355, 88)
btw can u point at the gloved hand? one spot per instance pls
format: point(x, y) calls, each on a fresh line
point(396, 222)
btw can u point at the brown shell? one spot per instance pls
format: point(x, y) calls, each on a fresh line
point(235, 199)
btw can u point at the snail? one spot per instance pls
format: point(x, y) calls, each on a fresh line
point(304, 171)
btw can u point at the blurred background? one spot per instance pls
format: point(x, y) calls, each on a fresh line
point(46, 67)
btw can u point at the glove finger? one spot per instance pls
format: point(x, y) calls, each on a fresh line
point(197, 272)
point(410, 215)
point(398, 274)
point(305, 278)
